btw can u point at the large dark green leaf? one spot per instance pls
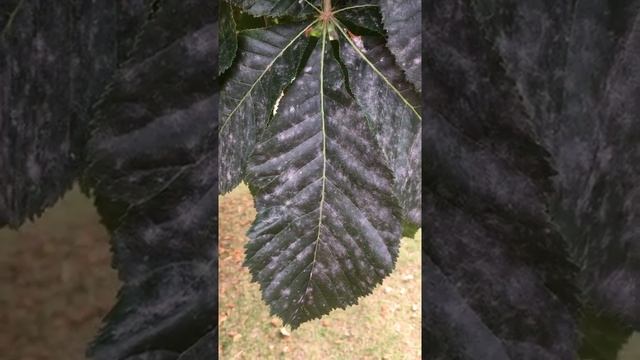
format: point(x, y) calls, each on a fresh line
point(487, 188)
point(132, 16)
point(55, 57)
point(267, 62)
point(328, 226)
point(402, 20)
point(392, 107)
point(153, 169)
point(574, 65)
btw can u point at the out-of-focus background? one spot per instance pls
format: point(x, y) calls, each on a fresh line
point(56, 283)
point(384, 325)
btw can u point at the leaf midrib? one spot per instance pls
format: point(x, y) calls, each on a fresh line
point(324, 163)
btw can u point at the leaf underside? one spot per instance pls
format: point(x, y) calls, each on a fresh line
point(267, 62)
point(579, 79)
point(494, 250)
point(328, 226)
point(152, 165)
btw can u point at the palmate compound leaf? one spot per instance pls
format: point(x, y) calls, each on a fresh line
point(152, 167)
point(266, 63)
point(402, 20)
point(495, 251)
point(576, 67)
point(392, 107)
point(327, 228)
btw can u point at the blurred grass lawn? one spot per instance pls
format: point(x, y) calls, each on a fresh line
point(631, 351)
point(56, 282)
point(384, 325)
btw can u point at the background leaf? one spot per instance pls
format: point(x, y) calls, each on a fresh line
point(572, 65)
point(152, 167)
point(328, 227)
point(55, 57)
point(487, 188)
point(167, 309)
point(452, 328)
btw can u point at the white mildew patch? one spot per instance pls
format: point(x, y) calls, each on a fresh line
point(285, 293)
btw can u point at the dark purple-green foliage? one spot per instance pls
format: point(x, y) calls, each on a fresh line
point(529, 164)
point(122, 95)
point(322, 119)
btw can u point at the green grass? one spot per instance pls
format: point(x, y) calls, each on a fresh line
point(384, 325)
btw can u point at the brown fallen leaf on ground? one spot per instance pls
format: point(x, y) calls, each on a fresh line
point(384, 311)
point(238, 254)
